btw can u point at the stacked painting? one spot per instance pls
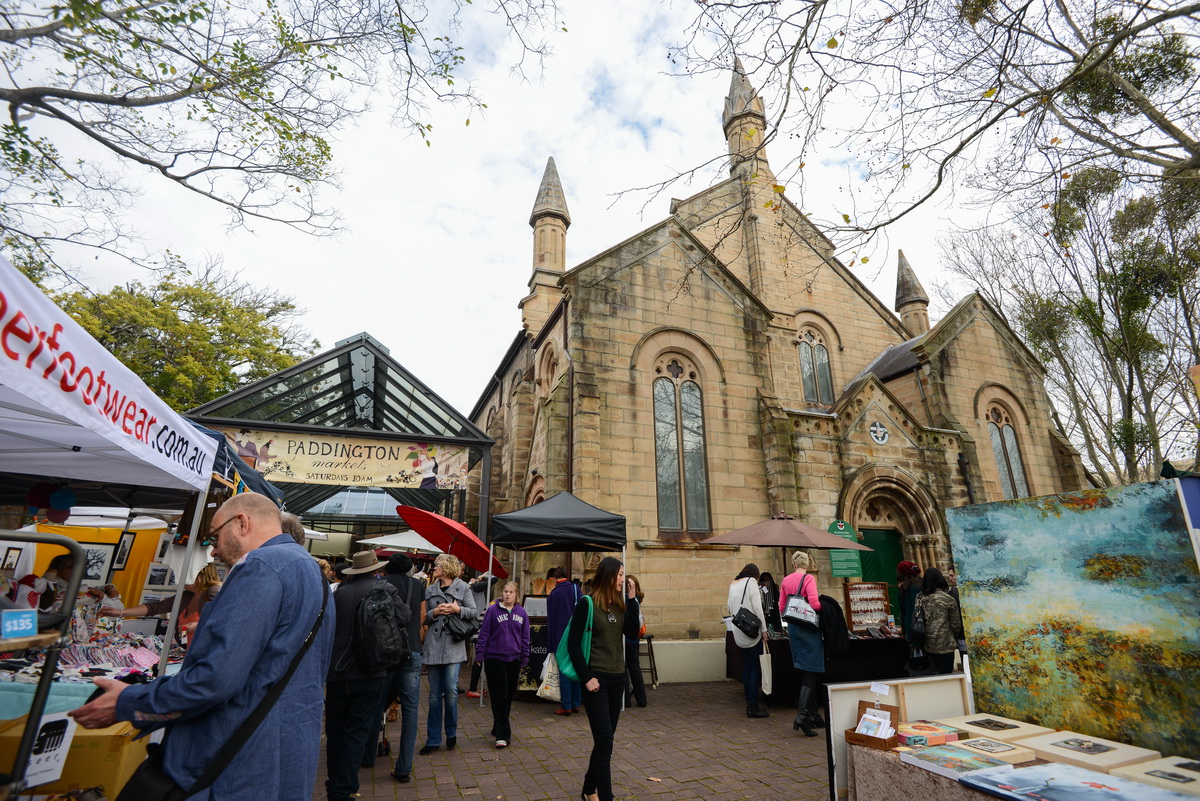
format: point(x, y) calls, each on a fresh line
point(1083, 612)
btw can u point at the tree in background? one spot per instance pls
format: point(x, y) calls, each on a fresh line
point(1103, 284)
point(992, 95)
point(193, 338)
point(233, 101)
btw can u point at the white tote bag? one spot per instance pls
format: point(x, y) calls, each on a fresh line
point(764, 662)
point(548, 686)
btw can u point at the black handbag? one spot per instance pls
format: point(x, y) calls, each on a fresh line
point(746, 621)
point(917, 633)
point(151, 782)
point(461, 629)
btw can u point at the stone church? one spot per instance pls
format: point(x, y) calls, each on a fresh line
point(722, 366)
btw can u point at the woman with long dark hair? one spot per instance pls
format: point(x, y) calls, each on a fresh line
point(744, 592)
point(943, 620)
point(615, 613)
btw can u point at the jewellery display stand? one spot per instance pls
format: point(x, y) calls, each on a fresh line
point(867, 604)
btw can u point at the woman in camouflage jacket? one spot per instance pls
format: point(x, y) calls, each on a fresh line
point(943, 620)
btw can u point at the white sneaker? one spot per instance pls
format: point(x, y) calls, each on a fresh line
point(502, 743)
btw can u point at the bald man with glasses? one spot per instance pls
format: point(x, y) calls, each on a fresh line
point(250, 635)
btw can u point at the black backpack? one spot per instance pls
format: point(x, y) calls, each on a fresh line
point(380, 637)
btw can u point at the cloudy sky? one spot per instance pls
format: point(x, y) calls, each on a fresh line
point(437, 248)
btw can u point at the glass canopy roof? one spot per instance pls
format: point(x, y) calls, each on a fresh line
point(356, 385)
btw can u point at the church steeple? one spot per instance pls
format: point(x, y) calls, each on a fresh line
point(744, 120)
point(912, 303)
point(549, 220)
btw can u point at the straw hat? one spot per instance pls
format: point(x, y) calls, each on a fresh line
point(363, 562)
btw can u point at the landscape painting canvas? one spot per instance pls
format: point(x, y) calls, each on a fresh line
point(1082, 612)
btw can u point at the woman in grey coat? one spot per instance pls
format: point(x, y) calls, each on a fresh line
point(446, 595)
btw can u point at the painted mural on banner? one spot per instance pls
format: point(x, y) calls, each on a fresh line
point(351, 461)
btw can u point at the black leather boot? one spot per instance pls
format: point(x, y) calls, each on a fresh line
point(756, 711)
point(802, 721)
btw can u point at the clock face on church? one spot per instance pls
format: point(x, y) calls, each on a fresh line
point(879, 432)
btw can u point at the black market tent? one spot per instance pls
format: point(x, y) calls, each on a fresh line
point(561, 523)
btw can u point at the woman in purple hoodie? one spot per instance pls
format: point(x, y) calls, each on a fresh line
point(503, 647)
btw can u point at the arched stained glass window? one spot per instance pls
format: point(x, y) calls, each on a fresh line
point(1007, 453)
point(679, 450)
point(814, 368)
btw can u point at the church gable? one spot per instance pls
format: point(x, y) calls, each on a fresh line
point(870, 417)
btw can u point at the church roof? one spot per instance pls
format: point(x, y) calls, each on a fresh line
point(355, 385)
point(896, 360)
point(742, 98)
point(550, 197)
point(908, 288)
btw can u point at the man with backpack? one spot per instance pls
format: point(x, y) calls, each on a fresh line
point(371, 638)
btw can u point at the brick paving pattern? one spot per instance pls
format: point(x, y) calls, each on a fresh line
point(695, 739)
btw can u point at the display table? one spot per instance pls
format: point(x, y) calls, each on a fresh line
point(864, 660)
point(873, 774)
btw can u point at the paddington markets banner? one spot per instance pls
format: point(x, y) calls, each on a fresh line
point(350, 461)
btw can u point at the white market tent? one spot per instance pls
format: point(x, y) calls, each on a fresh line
point(403, 541)
point(70, 410)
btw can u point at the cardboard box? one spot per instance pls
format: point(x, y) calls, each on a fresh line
point(1170, 773)
point(995, 727)
point(105, 757)
point(1084, 751)
point(867, 741)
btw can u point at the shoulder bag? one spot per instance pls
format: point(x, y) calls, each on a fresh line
point(917, 635)
point(151, 782)
point(798, 610)
point(461, 628)
point(746, 621)
point(561, 655)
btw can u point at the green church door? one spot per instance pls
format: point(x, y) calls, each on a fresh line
point(880, 564)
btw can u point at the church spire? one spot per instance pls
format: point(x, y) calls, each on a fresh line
point(549, 220)
point(550, 197)
point(912, 302)
point(744, 119)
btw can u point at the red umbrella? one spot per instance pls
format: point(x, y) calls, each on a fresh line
point(452, 537)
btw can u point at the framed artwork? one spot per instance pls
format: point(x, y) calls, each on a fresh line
point(10, 559)
point(164, 544)
point(160, 576)
point(123, 549)
point(97, 562)
point(151, 597)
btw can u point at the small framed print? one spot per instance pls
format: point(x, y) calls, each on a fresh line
point(11, 556)
point(123, 549)
point(164, 545)
point(160, 576)
point(98, 557)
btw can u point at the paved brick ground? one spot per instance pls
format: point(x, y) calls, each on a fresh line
point(694, 739)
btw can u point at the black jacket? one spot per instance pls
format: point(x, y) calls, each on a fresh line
point(833, 626)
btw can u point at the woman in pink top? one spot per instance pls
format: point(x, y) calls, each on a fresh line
point(808, 652)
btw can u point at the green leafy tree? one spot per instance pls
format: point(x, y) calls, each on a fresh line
point(1104, 284)
point(193, 338)
point(233, 101)
point(990, 96)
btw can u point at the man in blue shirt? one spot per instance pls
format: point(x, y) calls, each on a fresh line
point(243, 645)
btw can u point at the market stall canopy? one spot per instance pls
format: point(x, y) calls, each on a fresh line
point(70, 410)
point(452, 537)
point(784, 531)
point(404, 541)
point(315, 535)
point(561, 523)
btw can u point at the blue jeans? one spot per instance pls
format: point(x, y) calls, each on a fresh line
point(751, 673)
point(443, 702)
point(570, 693)
point(403, 685)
